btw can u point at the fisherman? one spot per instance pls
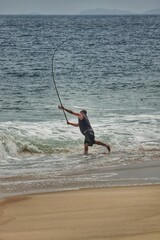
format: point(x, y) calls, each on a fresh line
point(85, 128)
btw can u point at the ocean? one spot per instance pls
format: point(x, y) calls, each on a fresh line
point(108, 65)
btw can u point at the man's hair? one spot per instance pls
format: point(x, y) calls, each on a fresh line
point(84, 111)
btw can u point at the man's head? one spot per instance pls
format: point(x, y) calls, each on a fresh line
point(83, 111)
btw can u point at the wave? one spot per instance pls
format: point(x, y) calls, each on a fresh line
point(27, 138)
point(123, 133)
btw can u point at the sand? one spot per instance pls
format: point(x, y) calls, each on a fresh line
point(131, 213)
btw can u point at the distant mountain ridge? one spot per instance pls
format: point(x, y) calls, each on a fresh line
point(153, 12)
point(102, 11)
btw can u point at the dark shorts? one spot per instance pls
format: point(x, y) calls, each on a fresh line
point(89, 138)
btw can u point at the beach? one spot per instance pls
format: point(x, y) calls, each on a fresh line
point(49, 189)
point(99, 213)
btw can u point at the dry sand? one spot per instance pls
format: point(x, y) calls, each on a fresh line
point(131, 213)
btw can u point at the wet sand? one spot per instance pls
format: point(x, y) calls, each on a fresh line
point(131, 213)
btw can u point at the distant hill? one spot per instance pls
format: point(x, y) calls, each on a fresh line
point(101, 11)
point(153, 12)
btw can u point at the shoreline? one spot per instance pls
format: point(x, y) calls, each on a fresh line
point(35, 193)
point(135, 174)
point(131, 212)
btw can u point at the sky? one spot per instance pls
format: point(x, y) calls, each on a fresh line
point(73, 6)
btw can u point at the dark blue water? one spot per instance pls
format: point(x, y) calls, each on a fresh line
point(109, 65)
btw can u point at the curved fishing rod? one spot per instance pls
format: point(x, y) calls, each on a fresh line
point(54, 78)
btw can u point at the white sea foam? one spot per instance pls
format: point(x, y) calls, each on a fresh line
point(123, 132)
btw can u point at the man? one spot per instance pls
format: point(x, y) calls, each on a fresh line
point(85, 128)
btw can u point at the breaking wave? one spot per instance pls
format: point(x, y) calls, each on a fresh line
point(42, 138)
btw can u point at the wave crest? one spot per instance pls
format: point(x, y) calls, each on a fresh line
point(17, 141)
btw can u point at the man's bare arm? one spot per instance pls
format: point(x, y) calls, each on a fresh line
point(73, 124)
point(71, 112)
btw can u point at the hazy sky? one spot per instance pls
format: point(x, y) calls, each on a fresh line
point(73, 6)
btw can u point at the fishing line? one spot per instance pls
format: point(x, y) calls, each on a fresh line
point(56, 49)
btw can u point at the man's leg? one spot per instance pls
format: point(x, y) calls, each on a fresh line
point(86, 148)
point(103, 144)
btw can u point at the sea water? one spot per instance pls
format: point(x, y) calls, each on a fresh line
point(108, 65)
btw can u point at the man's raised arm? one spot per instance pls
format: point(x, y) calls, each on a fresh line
point(71, 112)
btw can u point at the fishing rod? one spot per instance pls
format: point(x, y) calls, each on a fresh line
point(56, 49)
